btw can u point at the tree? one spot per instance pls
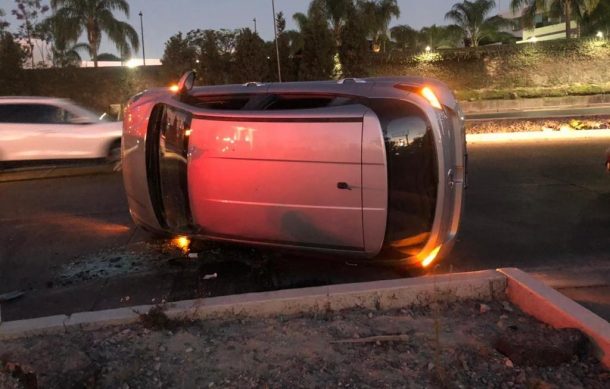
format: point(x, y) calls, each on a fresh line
point(471, 17)
point(28, 13)
point(598, 20)
point(567, 9)
point(3, 23)
point(439, 37)
point(354, 51)
point(377, 15)
point(95, 17)
point(317, 60)
point(251, 62)
point(214, 53)
point(337, 13)
point(404, 36)
point(178, 56)
point(12, 57)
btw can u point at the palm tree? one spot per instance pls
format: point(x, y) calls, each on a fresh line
point(471, 17)
point(379, 13)
point(439, 37)
point(567, 9)
point(598, 20)
point(337, 11)
point(95, 17)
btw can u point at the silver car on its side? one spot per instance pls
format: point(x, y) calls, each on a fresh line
point(372, 168)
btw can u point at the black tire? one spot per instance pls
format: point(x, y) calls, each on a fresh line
point(114, 152)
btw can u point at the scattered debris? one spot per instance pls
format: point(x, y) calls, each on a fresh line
point(14, 375)
point(10, 296)
point(210, 276)
point(303, 351)
point(156, 319)
point(541, 346)
point(507, 306)
point(484, 308)
point(374, 339)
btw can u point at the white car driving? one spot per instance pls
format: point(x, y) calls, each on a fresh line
point(43, 128)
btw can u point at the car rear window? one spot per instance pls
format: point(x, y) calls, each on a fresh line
point(282, 102)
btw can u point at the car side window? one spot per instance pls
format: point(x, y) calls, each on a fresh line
point(34, 113)
point(282, 102)
point(48, 114)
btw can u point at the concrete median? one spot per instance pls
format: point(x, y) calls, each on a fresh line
point(532, 296)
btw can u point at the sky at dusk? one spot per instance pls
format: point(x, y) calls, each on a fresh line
point(164, 18)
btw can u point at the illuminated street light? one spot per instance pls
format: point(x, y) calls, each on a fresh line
point(277, 47)
point(142, 30)
point(600, 35)
point(428, 49)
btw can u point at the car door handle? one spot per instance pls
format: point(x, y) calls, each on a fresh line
point(343, 185)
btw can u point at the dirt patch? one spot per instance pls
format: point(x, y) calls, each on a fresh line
point(521, 125)
point(439, 346)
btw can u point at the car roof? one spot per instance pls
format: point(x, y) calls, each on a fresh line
point(371, 87)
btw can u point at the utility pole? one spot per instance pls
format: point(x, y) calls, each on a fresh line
point(254, 20)
point(277, 47)
point(142, 30)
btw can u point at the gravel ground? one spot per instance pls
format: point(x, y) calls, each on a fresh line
point(453, 346)
point(521, 125)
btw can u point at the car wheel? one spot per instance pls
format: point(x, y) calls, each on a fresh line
point(114, 155)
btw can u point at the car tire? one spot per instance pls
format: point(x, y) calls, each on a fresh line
point(113, 156)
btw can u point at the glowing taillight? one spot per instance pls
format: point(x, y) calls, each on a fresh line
point(426, 92)
point(431, 97)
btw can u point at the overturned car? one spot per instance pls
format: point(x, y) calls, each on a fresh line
point(372, 168)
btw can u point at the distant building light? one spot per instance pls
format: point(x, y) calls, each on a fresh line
point(600, 35)
point(428, 49)
point(197, 61)
point(533, 39)
point(132, 63)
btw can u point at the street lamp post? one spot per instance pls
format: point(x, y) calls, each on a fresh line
point(254, 20)
point(277, 47)
point(142, 30)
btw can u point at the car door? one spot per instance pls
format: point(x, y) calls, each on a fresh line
point(21, 132)
point(290, 177)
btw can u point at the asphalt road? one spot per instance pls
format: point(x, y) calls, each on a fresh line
point(69, 243)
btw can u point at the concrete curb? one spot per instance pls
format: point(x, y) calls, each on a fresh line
point(529, 294)
point(502, 137)
point(555, 309)
point(525, 104)
point(482, 285)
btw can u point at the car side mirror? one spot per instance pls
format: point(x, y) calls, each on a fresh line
point(186, 83)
